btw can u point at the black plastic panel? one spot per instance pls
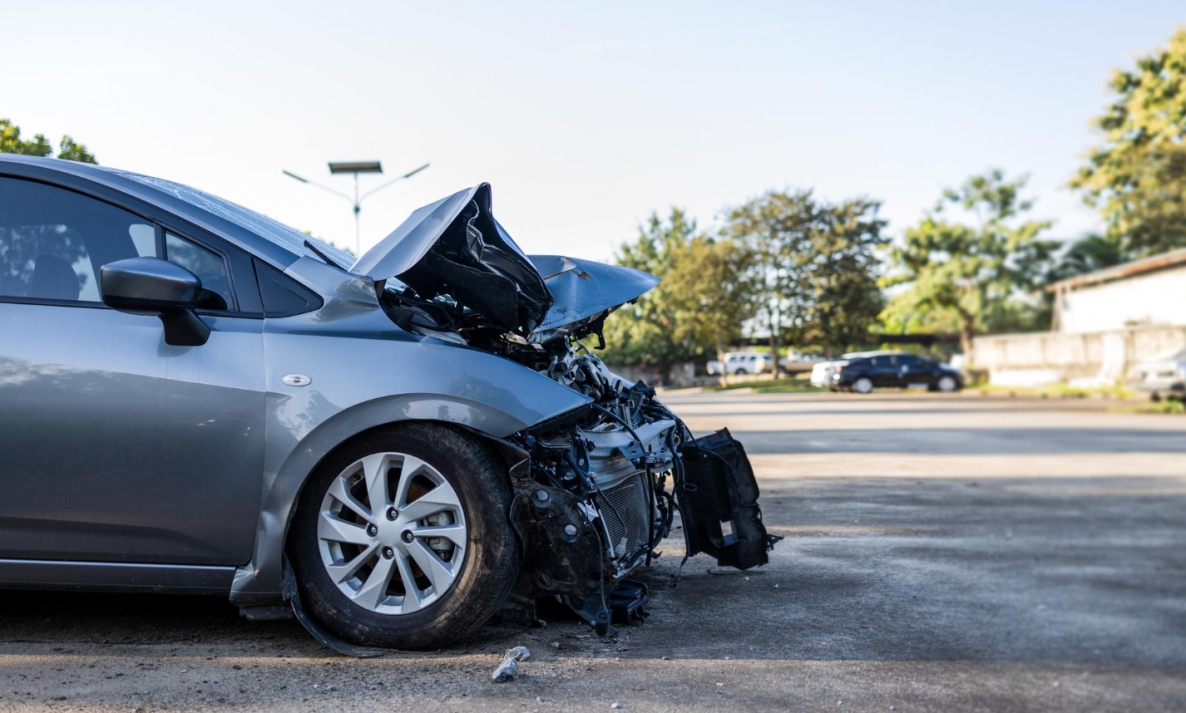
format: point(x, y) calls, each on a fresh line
point(719, 503)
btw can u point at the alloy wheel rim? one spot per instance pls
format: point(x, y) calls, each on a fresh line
point(947, 384)
point(391, 533)
point(863, 386)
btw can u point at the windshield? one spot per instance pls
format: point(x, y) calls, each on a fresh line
point(274, 231)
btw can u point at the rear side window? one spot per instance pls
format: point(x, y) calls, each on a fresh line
point(53, 241)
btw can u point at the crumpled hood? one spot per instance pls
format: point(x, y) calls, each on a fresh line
point(454, 247)
point(584, 291)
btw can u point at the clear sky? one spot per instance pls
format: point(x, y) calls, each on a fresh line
point(584, 117)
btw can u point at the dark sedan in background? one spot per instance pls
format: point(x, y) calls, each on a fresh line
point(895, 370)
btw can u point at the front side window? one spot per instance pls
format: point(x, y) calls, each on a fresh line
point(53, 241)
point(209, 266)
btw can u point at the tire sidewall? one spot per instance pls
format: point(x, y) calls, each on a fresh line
point(491, 559)
point(946, 384)
point(866, 390)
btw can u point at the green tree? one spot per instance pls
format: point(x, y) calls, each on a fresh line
point(841, 261)
point(815, 265)
point(1087, 254)
point(1136, 176)
point(774, 227)
point(711, 290)
point(645, 333)
point(699, 307)
point(68, 148)
point(977, 277)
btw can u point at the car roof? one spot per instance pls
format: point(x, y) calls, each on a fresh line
point(880, 352)
point(257, 233)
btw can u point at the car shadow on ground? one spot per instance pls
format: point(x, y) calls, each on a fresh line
point(881, 569)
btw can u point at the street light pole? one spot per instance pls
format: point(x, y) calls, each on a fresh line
point(355, 168)
point(357, 219)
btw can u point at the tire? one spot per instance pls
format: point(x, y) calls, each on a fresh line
point(946, 384)
point(739, 372)
point(862, 385)
point(467, 572)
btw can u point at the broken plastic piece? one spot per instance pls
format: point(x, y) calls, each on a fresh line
point(508, 670)
point(627, 602)
point(719, 503)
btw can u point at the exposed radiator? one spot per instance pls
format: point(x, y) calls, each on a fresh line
point(630, 532)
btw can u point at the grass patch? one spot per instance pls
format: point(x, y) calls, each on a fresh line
point(1169, 406)
point(762, 384)
point(799, 388)
point(1057, 391)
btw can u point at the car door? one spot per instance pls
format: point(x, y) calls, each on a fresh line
point(117, 446)
point(913, 370)
point(883, 370)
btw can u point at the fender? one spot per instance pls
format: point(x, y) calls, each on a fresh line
point(350, 393)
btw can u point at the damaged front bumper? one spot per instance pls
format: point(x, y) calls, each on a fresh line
point(578, 550)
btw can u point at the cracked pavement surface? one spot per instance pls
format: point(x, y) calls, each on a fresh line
point(941, 553)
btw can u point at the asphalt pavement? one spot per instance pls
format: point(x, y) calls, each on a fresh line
point(942, 553)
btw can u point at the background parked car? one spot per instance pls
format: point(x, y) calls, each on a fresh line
point(823, 371)
point(1163, 375)
point(741, 363)
point(897, 370)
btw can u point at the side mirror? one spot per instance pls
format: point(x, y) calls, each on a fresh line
point(157, 288)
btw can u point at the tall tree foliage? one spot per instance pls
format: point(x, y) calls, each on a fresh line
point(644, 333)
point(68, 148)
point(774, 228)
point(701, 304)
point(1087, 254)
point(711, 289)
point(978, 277)
point(815, 265)
point(841, 260)
point(1136, 176)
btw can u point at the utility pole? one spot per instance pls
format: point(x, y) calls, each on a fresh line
point(355, 168)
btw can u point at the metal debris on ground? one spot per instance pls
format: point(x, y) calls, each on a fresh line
point(508, 670)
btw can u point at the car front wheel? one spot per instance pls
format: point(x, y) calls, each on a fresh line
point(863, 385)
point(402, 538)
point(946, 384)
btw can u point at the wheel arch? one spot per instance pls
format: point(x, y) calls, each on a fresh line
point(260, 581)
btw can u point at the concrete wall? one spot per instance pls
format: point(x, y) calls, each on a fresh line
point(1155, 298)
point(1067, 357)
point(681, 374)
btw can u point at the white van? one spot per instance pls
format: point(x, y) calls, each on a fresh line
point(737, 363)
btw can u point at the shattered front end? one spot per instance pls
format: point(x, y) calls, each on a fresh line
point(603, 490)
point(595, 489)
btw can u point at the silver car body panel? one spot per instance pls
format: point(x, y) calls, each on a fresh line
point(365, 372)
point(585, 291)
point(75, 383)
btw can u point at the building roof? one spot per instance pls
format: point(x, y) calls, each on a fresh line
point(1122, 271)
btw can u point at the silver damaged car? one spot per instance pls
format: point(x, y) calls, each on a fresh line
point(196, 398)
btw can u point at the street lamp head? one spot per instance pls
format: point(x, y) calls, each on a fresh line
point(336, 167)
